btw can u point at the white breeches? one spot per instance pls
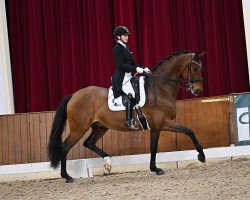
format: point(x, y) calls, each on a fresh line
point(126, 85)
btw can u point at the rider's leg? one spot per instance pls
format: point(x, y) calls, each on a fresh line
point(129, 123)
point(128, 90)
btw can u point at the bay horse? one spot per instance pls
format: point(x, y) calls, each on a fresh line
point(88, 108)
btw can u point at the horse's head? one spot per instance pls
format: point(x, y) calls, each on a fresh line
point(191, 72)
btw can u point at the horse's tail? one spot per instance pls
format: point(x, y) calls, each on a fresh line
point(55, 140)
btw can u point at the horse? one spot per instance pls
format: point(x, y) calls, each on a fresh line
point(87, 108)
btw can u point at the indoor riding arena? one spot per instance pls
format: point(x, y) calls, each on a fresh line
point(59, 137)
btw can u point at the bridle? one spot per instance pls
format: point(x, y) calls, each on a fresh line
point(191, 68)
point(176, 83)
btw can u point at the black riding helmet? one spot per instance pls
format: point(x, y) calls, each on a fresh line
point(120, 30)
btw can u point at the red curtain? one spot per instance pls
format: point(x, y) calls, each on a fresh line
point(59, 47)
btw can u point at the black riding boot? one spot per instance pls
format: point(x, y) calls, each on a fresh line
point(130, 123)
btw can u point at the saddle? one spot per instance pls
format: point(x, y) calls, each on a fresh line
point(140, 100)
point(135, 82)
point(120, 102)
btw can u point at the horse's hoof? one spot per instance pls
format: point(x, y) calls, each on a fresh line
point(201, 158)
point(160, 172)
point(70, 180)
point(107, 164)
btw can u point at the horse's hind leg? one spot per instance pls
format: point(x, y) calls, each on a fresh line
point(90, 143)
point(95, 135)
point(70, 141)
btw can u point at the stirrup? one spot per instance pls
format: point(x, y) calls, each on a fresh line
point(131, 124)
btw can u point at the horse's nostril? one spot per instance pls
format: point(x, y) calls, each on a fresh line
point(198, 91)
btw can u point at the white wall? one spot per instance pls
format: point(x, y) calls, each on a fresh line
point(246, 13)
point(6, 89)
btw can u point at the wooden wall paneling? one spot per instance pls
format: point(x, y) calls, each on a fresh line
point(108, 145)
point(36, 137)
point(167, 141)
point(82, 148)
point(137, 142)
point(183, 141)
point(226, 123)
point(179, 119)
point(218, 124)
point(162, 143)
point(5, 140)
point(43, 136)
point(25, 138)
point(171, 141)
point(232, 126)
point(114, 143)
point(17, 139)
point(204, 126)
point(121, 144)
point(212, 124)
point(195, 120)
point(222, 128)
point(134, 141)
point(202, 122)
point(49, 119)
point(107, 142)
point(127, 143)
point(32, 140)
point(11, 136)
point(189, 123)
point(226, 110)
point(141, 142)
point(75, 150)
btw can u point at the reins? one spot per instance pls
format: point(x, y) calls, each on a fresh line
point(152, 77)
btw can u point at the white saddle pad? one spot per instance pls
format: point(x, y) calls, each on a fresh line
point(117, 104)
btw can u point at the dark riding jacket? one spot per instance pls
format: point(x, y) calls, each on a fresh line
point(124, 63)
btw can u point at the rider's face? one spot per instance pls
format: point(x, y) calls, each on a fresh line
point(124, 38)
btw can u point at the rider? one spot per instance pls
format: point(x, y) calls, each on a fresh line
point(125, 66)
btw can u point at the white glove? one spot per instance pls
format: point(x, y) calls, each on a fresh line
point(147, 70)
point(139, 70)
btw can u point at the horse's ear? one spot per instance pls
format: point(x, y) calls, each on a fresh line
point(200, 55)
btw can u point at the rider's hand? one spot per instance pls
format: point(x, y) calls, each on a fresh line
point(147, 70)
point(139, 70)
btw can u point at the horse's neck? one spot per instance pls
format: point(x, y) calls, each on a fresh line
point(168, 89)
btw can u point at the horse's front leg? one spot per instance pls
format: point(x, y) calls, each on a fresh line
point(154, 137)
point(175, 127)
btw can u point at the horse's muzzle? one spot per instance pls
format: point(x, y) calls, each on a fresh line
point(197, 91)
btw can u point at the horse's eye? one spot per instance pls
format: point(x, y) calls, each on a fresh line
point(195, 69)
